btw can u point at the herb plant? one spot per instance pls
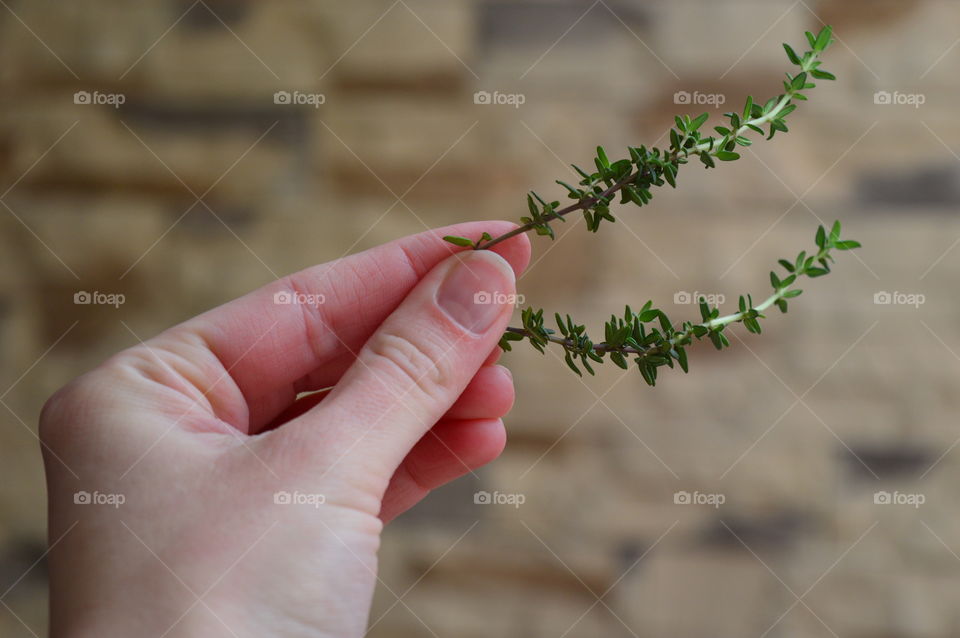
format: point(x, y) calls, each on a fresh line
point(649, 336)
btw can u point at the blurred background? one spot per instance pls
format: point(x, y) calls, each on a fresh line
point(173, 155)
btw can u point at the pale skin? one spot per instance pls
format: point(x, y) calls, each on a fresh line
point(199, 428)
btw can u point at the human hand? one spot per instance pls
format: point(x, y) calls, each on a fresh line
point(200, 433)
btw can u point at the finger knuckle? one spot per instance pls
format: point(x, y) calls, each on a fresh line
point(415, 362)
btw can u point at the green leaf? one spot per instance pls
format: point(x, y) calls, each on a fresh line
point(698, 122)
point(848, 244)
point(459, 241)
point(633, 195)
point(534, 211)
point(586, 364)
point(619, 359)
point(649, 375)
point(574, 193)
point(704, 309)
point(621, 168)
point(670, 176)
point(674, 139)
point(571, 364)
point(823, 39)
point(717, 341)
point(835, 231)
point(777, 125)
point(602, 156)
point(727, 156)
point(791, 53)
point(682, 359)
point(823, 75)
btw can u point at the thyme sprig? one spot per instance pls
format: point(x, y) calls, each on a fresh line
point(633, 179)
point(652, 338)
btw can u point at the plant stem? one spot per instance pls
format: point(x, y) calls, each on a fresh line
point(710, 147)
point(580, 205)
point(687, 335)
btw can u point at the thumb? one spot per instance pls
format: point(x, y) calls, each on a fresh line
point(413, 368)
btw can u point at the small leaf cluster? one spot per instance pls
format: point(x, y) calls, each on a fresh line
point(652, 340)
